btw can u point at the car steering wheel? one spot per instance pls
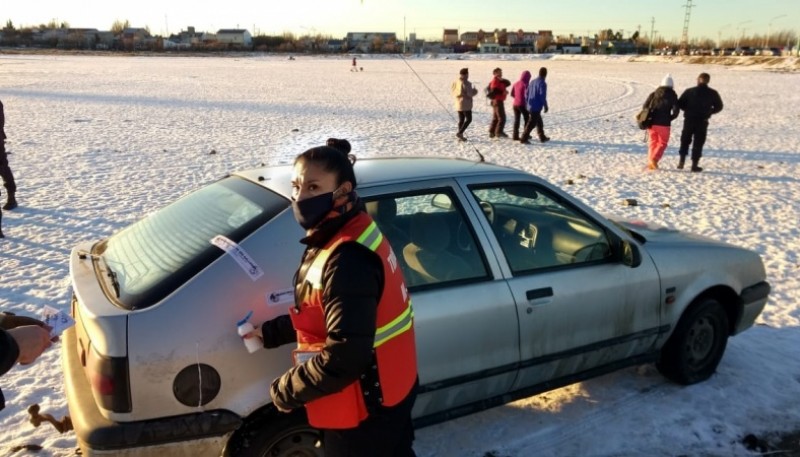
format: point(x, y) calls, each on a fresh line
point(590, 251)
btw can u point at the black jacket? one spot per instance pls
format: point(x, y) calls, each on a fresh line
point(699, 103)
point(663, 104)
point(9, 353)
point(353, 283)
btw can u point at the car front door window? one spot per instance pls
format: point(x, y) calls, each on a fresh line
point(535, 230)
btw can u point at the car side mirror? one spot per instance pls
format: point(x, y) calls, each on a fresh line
point(631, 256)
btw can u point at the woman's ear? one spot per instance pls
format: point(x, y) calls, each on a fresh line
point(344, 189)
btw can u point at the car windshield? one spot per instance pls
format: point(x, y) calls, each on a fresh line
point(155, 255)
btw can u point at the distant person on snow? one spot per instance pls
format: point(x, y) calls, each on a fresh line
point(698, 103)
point(537, 101)
point(463, 91)
point(663, 104)
point(22, 339)
point(5, 170)
point(520, 105)
point(498, 90)
point(355, 68)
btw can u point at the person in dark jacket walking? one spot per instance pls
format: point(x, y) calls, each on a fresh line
point(537, 101)
point(355, 366)
point(520, 91)
point(498, 90)
point(698, 104)
point(663, 104)
point(5, 170)
point(22, 339)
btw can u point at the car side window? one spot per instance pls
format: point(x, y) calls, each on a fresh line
point(430, 237)
point(538, 230)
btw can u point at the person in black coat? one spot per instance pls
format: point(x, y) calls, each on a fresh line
point(663, 105)
point(5, 170)
point(698, 104)
point(22, 339)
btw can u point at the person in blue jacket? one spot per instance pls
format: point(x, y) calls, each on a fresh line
point(537, 101)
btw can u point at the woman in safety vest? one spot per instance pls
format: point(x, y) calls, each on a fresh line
point(355, 367)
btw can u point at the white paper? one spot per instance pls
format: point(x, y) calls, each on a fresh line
point(239, 255)
point(56, 319)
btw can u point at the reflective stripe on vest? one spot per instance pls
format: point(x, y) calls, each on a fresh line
point(397, 326)
point(371, 238)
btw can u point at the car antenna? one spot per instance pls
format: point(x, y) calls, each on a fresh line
point(440, 104)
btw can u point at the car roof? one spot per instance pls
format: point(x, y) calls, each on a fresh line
point(385, 170)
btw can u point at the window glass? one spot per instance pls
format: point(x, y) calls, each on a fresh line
point(430, 237)
point(157, 254)
point(538, 230)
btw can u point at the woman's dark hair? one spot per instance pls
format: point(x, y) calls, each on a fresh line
point(334, 157)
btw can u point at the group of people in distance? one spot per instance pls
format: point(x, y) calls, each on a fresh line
point(530, 99)
point(698, 103)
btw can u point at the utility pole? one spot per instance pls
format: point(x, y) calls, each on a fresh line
point(652, 31)
point(685, 36)
point(769, 30)
point(719, 35)
point(404, 35)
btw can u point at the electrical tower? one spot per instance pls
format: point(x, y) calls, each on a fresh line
point(685, 36)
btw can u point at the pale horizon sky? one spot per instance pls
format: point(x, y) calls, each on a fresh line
point(427, 18)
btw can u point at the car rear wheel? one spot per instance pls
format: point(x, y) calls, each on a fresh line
point(692, 353)
point(277, 435)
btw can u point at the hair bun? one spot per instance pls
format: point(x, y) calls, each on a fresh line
point(341, 145)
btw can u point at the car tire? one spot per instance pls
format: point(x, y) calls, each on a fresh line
point(694, 350)
point(275, 434)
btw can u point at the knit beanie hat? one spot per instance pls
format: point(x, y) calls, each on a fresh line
point(667, 81)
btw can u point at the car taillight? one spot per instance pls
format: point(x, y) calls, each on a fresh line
point(110, 381)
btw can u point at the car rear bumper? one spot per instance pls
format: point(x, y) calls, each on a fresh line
point(754, 298)
point(200, 434)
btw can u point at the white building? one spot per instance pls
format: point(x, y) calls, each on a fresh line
point(239, 37)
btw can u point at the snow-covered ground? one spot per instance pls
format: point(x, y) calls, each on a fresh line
point(98, 142)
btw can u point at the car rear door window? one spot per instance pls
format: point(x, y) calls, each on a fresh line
point(430, 236)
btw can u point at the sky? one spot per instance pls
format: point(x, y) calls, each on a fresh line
point(709, 18)
point(98, 142)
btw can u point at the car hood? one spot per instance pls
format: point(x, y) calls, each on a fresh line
point(657, 234)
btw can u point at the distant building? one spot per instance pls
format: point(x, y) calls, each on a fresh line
point(236, 37)
point(370, 41)
point(450, 37)
point(493, 48)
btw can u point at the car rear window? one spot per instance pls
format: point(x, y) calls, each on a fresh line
point(155, 255)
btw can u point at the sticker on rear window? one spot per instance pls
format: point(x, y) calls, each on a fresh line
point(239, 255)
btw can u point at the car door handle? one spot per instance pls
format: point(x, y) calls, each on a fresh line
point(544, 292)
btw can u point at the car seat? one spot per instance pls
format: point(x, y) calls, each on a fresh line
point(427, 255)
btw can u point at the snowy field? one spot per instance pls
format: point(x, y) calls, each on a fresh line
point(98, 142)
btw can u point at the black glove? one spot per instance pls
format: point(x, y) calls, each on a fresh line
point(546, 108)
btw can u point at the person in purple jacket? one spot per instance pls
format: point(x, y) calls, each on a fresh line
point(519, 91)
point(537, 101)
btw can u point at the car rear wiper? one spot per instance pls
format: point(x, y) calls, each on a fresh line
point(112, 275)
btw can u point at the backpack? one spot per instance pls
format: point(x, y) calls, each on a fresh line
point(644, 119)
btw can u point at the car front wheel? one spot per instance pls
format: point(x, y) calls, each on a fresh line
point(692, 353)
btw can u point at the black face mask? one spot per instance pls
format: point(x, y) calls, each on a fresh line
point(310, 211)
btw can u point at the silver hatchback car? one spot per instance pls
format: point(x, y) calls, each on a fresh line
point(517, 287)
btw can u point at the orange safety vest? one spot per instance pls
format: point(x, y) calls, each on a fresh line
point(394, 346)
